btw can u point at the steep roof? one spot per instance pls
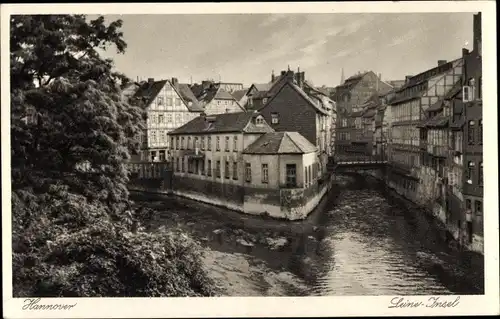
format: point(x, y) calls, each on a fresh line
point(281, 143)
point(262, 86)
point(187, 95)
point(223, 95)
point(239, 94)
point(223, 123)
point(149, 90)
point(300, 92)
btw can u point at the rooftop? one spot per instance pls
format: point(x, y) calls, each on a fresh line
point(281, 143)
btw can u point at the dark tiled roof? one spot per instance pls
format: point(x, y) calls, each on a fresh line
point(370, 113)
point(356, 114)
point(223, 95)
point(187, 95)
point(148, 91)
point(281, 143)
point(438, 106)
point(301, 93)
point(458, 125)
point(239, 94)
point(223, 123)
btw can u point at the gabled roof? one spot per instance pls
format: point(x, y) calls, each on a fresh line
point(281, 143)
point(223, 95)
point(438, 121)
point(300, 92)
point(223, 123)
point(187, 95)
point(262, 86)
point(239, 94)
point(149, 90)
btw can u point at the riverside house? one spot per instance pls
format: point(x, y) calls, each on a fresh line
point(238, 161)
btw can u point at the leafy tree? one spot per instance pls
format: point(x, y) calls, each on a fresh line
point(75, 232)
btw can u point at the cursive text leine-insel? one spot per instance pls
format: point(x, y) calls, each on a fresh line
point(432, 302)
point(33, 304)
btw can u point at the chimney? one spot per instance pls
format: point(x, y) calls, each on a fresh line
point(407, 78)
point(151, 80)
point(477, 32)
point(272, 76)
point(283, 73)
point(465, 52)
point(175, 82)
point(380, 76)
point(441, 62)
point(290, 75)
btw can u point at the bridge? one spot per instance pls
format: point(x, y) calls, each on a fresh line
point(343, 163)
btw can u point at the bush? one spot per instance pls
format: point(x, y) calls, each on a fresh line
point(52, 257)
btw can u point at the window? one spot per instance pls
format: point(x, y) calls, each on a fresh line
point(470, 171)
point(480, 87)
point(202, 171)
point(265, 174)
point(203, 143)
point(172, 145)
point(227, 110)
point(480, 174)
point(209, 168)
point(162, 156)
point(177, 163)
point(160, 118)
point(189, 143)
point(227, 144)
point(248, 172)
point(480, 132)
point(153, 136)
point(162, 136)
point(235, 170)
point(479, 207)
point(235, 143)
point(470, 132)
point(159, 100)
point(153, 156)
point(274, 118)
point(182, 143)
point(178, 117)
point(306, 178)
point(226, 170)
point(264, 100)
point(168, 118)
point(217, 169)
point(217, 143)
point(209, 143)
point(311, 178)
point(177, 102)
point(182, 164)
point(259, 121)
point(291, 175)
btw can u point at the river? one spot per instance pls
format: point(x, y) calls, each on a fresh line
point(359, 241)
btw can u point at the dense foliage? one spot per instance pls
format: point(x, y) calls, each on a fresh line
point(74, 230)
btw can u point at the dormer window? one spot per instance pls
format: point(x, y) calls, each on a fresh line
point(264, 100)
point(259, 120)
point(275, 118)
point(160, 100)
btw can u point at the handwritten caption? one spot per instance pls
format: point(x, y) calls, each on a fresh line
point(35, 304)
point(432, 302)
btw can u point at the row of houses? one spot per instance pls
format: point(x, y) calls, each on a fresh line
point(260, 150)
point(429, 129)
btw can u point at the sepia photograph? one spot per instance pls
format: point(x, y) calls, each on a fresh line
point(149, 153)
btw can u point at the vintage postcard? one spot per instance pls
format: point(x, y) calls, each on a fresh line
point(249, 159)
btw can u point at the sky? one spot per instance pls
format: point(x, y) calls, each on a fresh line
point(245, 48)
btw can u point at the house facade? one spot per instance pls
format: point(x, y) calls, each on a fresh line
point(236, 160)
point(296, 106)
point(471, 223)
point(350, 98)
point(168, 105)
point(409, 107)
point(215, 100)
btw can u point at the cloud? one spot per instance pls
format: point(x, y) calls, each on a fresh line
point(273, 19)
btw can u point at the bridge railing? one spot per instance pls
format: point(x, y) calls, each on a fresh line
point(339, 159)
point(148, 170)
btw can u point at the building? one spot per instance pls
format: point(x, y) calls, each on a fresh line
point(383, 124)
point(215, 100)
point(297, 106)
point(471, 225)
point(168, 105)
point(240, 96)
point(411, 106)
point(230, 87)
point(350, 98)
point(236, 160)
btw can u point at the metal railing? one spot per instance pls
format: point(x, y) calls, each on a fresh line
point(359, 159)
